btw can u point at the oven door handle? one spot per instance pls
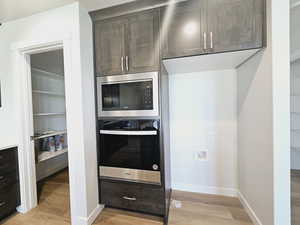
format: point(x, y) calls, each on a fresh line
point(121, 132)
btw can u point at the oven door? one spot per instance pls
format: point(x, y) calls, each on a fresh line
point(131, 155)
point(131, 95)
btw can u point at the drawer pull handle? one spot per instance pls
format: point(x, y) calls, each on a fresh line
point(2, 204)
point(129, 199)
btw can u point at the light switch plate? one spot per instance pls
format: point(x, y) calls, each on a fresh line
point(201, 155)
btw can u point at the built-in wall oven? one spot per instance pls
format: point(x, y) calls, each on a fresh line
point(131, 95)
point(129, 149)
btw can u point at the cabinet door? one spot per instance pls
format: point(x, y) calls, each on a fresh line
point(182, 29)
point(143, 42)
point(109, 47)
point(234, 24)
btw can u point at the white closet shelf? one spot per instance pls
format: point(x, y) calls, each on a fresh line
point(46, 73)
point(48, 93)
point(50, 155)
point(49, 114)
point(50, 134)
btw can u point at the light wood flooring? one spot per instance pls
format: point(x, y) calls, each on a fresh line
point(295, 189)
point(186, 209)
point(201, 209)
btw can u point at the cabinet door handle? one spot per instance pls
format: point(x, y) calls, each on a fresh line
point(211, 40)
point(2, 204)
point(204, 41)
point(127, 63)
point(128, 198)
point(122, 63)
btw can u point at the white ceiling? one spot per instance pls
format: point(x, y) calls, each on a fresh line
point(15, 9)
point(91, 5)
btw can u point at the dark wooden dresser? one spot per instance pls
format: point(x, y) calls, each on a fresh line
point(9, 182)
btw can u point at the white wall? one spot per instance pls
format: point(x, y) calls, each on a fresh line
point(67, 22)
point(88, 107)
point(263, 124)
point(203, 117)
point(255, 139)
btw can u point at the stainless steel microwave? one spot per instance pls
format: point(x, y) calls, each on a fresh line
point(131, 95)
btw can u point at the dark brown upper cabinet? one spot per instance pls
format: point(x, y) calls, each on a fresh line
point(143, 42)
point(196, 27)
point(128, 37)
point(234, 25)
point(110, 46)
point(182, 26)
point(128, 44)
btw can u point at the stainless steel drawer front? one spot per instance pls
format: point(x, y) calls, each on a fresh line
point(131, 174)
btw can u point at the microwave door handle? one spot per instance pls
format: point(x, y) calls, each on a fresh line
point(121, 132)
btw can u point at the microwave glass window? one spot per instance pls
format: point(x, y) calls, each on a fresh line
point(127, 96)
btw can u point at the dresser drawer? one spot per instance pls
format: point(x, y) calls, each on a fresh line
point(7, 155)
point(132, 196)
point(9, 201)
point(8, 160)
point(7, 167)
point(7, 180)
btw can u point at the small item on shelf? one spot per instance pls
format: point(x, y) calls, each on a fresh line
point(58, 142)
point(64, 141)
point(38, 145)
point(51, 144)
point(44, 143)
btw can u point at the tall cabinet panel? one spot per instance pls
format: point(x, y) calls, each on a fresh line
point(234, 24)
point(143, 42)
point(110, 47)
point(182, 29)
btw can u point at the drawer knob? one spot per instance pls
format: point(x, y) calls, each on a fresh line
point(2, 204)
point(1, 177)
point(129, 199)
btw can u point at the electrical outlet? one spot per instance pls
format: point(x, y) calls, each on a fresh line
point(201, 155)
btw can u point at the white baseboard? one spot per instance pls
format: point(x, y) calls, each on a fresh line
point(21, 209)
point(91, 218)
point(205, 189)
point(249, 210)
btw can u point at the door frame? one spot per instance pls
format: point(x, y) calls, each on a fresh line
point(22, 76)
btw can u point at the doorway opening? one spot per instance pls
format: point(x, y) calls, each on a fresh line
point(49, 142)
point(49, 125)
